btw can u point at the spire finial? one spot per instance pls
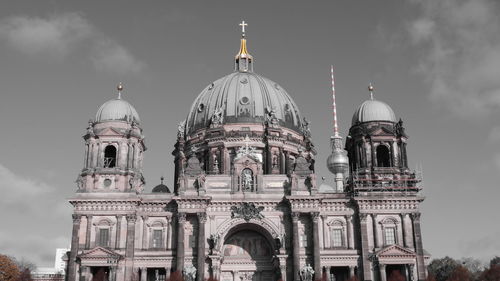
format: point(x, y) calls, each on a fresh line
point(243, 24)
point(334, 105)
point(371, 89)
point(161, 179)
point(243, 60)
point(120, 89)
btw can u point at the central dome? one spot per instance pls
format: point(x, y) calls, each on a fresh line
point(243, 97)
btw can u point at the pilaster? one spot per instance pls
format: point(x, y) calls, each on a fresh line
point(74, 248)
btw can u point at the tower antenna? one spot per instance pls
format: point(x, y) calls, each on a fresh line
point(334, 105)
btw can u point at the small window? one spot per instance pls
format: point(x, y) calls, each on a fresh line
point(157, 238)
point(110, 156)
point(390, 235)
point(337, 237)
point(383, 156)
point(103, 238)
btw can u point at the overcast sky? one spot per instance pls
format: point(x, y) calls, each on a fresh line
point(437, 63)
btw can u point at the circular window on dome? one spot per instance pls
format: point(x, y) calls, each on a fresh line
point(201, 107)
point(244, 100)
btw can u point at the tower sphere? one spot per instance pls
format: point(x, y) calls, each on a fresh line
point(338, 162)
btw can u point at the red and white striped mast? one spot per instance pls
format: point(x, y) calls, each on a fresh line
point(334, 105)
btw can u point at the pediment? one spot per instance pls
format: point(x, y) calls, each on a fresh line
point(381, 131)
point(110, 131)
point(394, 251)
point(100, 253)
point(248, 159)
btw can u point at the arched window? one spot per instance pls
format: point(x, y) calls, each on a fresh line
point(389, 228)
point(383, 156)
point(103, 233)
point(110, 156)
point(336, 234)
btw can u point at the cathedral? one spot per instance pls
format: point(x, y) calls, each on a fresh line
point(245, 203)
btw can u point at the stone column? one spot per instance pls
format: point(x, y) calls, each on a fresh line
point(287, 163)
point(406, 222)
point(144, 232)
point(419, 249)
point(364, 248)
point(112, 273)
point(351, 271)
point(130, 155)
point(383, 276)
point(144, 274)
point(129, 247)
point(181, 220)
point(95, 153)
point(283, 272)
point(87, 273)
point(74, 248)
point(202, 219)
point(317, 257)
point(118, 231)
point(403, 229)
point(167, 273)
point(296, 245)
point(350, 232)
point(325, 230)
point(375, 231)
point(87, 232)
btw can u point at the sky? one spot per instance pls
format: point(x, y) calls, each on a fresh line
point(437, 63)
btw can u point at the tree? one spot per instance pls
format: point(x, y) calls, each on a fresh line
point(442, 268)
point(474, 266)
point(495, 261)
point(25, 275)
point(430, 277)
point(492, 274)
point(460, 274)
point(8, 269)
point(26, 268)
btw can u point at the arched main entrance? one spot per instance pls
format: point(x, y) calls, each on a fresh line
point(247, 255)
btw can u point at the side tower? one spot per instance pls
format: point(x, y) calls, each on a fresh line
point(386, 194)
point(108, 188)
point(114, 148)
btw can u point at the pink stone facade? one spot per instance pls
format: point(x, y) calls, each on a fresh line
point(245, 203)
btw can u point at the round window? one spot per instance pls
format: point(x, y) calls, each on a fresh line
point(201, 107)
point(107, 182)
point(244, 100)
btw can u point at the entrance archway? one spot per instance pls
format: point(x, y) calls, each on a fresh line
point(247, 255)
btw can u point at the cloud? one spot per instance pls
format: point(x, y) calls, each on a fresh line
point(63, 34)
point(483, 246)
point(56, 35)
point(33, 215)
point(459, 47)
point(108, 56)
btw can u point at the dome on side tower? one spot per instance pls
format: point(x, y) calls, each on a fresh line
point(117, 110)
point(373, 110)
point(243, 97)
